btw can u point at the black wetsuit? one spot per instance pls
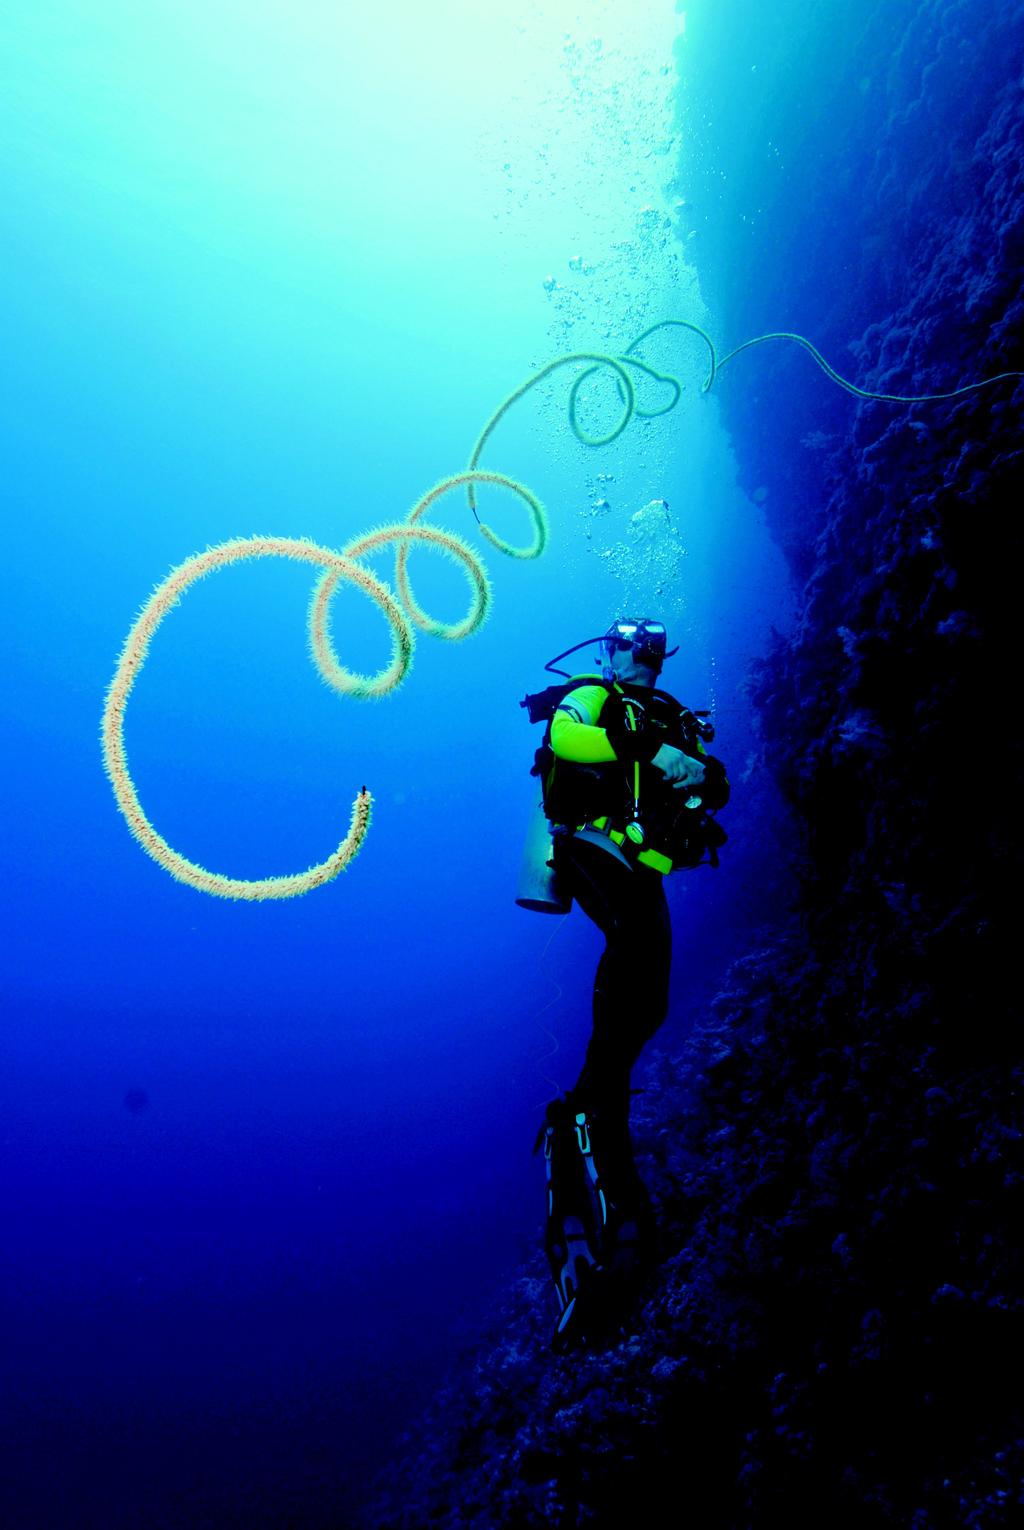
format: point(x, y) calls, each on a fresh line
point(603, 740)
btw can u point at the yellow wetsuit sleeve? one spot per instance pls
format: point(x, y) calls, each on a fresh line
point(575, 734)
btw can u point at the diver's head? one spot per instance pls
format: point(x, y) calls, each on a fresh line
point(633, 650)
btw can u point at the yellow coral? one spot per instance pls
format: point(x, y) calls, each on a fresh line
point(337, 566)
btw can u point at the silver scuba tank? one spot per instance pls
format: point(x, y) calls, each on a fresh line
point(538, 887)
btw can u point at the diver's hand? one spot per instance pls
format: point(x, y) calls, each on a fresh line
point(679, 768)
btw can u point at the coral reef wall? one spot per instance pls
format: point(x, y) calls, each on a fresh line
point(835, 1336)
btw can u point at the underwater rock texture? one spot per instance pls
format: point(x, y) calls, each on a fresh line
point(834, 1336)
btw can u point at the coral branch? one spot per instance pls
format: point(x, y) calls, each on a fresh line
point(163, 599)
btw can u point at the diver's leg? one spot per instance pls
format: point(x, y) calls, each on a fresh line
point(631, 985)
point(571, 1241)
point(630, 1003)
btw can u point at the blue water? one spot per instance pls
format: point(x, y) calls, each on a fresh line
point(269, 269)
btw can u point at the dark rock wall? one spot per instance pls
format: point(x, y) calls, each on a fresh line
point(835, 1336)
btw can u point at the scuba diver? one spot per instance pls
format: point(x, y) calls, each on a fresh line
point(629, 795)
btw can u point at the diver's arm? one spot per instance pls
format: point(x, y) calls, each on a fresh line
point(577, 736)
point(574, 732)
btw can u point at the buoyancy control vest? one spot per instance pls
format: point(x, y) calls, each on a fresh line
point(634, 803)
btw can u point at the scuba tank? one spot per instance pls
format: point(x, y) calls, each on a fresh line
point(538, 888)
